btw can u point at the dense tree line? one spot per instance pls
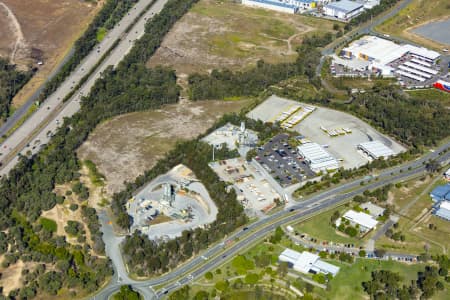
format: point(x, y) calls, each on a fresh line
point(111, 13)
point(413, 121)
point(29, 188)
point(220, 84)
point(11, 81)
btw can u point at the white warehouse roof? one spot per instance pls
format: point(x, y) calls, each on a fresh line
point(376, 149)
point(384, 51)
point(318, 157)
point(344, 6)
point(289, 256)
point(305, 262)
point(325, 267)
point(361, 218)
point(444, 210)
point(445, 205)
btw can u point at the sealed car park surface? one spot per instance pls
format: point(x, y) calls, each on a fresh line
point(282, 161)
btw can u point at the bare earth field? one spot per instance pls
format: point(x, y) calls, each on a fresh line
point(41, 30)
point(7, 37)
point(126, 146)
point(225, 34)
point(416, 14)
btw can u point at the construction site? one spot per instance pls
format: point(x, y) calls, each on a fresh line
point(170, 204)
point(255, 189)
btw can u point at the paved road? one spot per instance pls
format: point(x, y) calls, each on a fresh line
point(21, 111)
point(35, 131)
point(216, 254)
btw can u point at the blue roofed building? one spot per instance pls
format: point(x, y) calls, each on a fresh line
point(440, 193)
point(288, 6)
point(282, 6)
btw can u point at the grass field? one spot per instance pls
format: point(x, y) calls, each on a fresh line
point(126, 146)
point(348, 282)
point(319, 227)
point(218, 34)
point(414, 222)
point(419, 12)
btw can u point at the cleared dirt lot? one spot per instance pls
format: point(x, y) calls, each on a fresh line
point(46, 28)
point(126, 146)
point(7, 37)
point(227, 34)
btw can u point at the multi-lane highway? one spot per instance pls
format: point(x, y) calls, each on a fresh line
point(38, 128)
point(217, 254)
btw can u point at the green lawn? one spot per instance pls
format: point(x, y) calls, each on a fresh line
point(418, 234)
point(319, 227)
point(348, 282)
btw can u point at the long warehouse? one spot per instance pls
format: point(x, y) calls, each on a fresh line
point(376, 149)
point(317, 157)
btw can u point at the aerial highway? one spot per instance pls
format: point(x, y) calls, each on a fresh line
point(218, 253)
point(37, 129)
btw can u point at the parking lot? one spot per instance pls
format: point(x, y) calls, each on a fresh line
point(408, 82)
point(282, 161)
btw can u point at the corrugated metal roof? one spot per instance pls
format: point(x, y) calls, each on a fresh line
point(274, 3)
point(361, 218)
point(377, 149)
point(345, 6)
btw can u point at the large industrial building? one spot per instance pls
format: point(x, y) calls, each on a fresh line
point(447, 175)
point(441, 196)
point(376, 149)
point(378, 56)
point(443, 210)
point(317, 157)
point(344, 10)
point(287, 6)
point(273, 5)
point(365, 221)
point(441, 193)
point(307, 262)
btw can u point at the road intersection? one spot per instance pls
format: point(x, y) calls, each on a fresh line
point(219, 253)
point(37, 130)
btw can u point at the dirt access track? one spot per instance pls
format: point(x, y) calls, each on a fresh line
point(41, 30)
point(226, 34)
point(127, 145)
